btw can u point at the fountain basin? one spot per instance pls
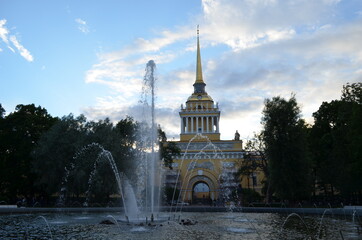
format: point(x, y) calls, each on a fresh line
point(210, 225)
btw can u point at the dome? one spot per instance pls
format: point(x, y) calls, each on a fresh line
point(200, 97)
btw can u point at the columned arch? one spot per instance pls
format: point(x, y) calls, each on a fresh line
point(187, 193)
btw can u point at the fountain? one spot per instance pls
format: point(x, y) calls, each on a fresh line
point(226, 179)
point(141, 198)
point(149, 139)
point(141, 205)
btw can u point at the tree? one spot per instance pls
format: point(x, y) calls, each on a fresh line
point(168, 150)
point(352, 92)
point(66, 156)
point(2, 111)
point(336, 139)
point(129, 132)
point(54, 153)
point(20, 132)
point(284, 135)
point(256, 160)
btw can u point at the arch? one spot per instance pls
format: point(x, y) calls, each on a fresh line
point(201, 193)
point(201, 179)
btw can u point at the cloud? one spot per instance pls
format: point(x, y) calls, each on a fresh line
point(136, 55)
point(245, 24)
point(4, 31)
point(123, 71)
point(294, 64)
point(23, 51)
point(314, 62)
point(269, 48)
point(12, 40)
point(82, 25)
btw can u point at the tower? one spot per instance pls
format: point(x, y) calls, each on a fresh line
point(201, 114)
point(204, 172)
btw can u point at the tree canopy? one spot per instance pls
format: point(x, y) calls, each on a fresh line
point(255, 159)
point(336, 139)
point(2, 111)
point(19, 133)
point(39, 154)
point(284, 135)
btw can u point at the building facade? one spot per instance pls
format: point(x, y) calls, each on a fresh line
point(205, 171)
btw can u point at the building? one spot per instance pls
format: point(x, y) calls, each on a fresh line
point(206, 169)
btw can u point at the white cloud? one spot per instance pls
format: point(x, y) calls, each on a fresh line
point(23, 51)
point(314, 66)
point(11, 49)
point(82, 25)
point(4, 36)
point(275, 48)
point(4, 31)
point(244, 24)
point(123, 71)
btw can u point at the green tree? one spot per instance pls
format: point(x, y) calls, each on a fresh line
point(129, 132)
point(72, 152)
point(352, 93)
point(336, 140)
point(284, 135)
point(256, 160)
point(168, 150)
point(55, 151)
point(2, 111)
point(118, 141)
point(66, 156)
point(20, 132)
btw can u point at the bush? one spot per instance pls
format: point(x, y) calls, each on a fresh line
point(250, 196)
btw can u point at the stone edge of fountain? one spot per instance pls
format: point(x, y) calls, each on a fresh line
point(312, 211)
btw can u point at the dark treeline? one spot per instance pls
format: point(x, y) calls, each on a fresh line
point(38, 153)
point(319, 162)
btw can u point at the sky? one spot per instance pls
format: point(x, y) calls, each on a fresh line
point(89, 57)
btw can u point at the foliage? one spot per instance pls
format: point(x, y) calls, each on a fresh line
point(336, 140)
point(250, 196)
point(2, 111)
point(55, 150)
point(68, 152)
point(352, 93)
point(168, 150)
point(19, 133)
point(284, 135)
point(255, 160)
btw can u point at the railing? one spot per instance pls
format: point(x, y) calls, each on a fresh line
point(208, 110)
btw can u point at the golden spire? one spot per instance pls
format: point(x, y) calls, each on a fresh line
point(199, 78)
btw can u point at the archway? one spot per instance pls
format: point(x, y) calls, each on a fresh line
point(203, 177)
point(201, 193)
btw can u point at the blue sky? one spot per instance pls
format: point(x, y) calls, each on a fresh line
point(89, 57)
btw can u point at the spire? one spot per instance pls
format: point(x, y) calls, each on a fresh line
point(199, 78)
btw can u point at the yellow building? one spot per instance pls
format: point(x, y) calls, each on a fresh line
point(205, 170)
